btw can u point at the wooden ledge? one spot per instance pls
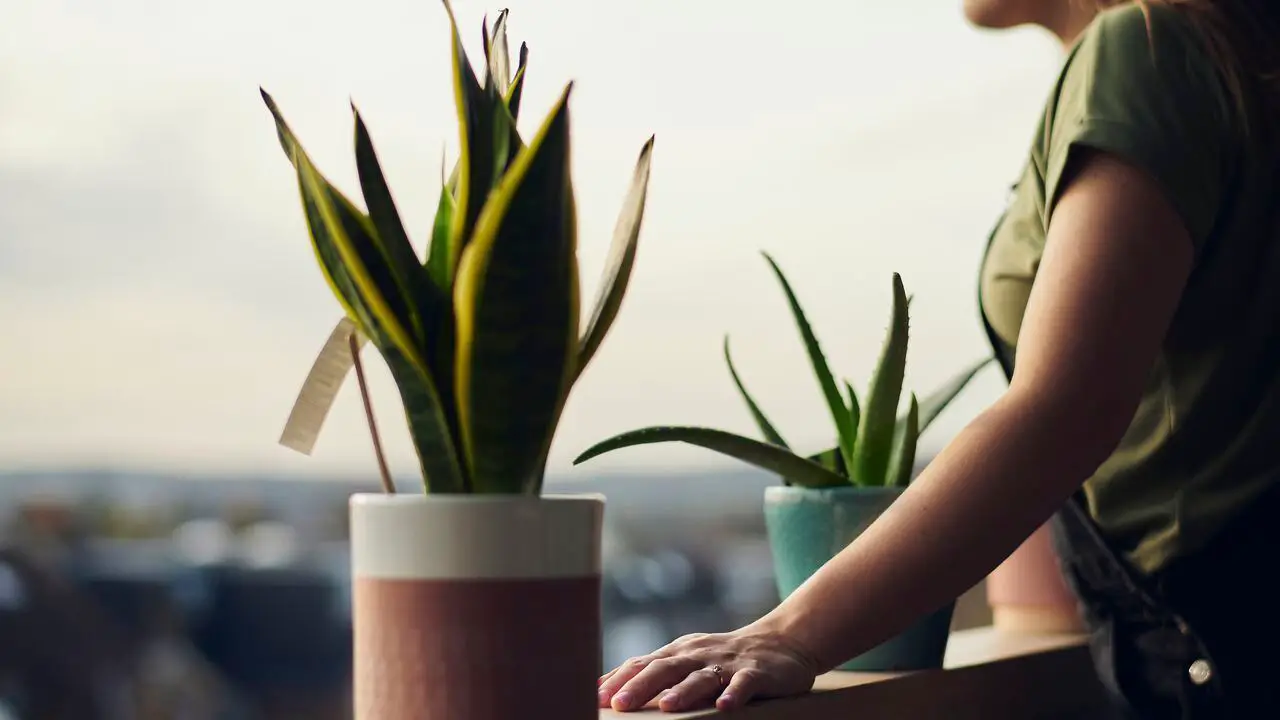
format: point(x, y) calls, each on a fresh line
point(988, 674)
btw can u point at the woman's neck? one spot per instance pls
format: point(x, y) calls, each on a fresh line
point(1068, 20)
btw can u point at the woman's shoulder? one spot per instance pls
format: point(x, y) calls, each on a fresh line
point(1145, 25)
point(1134, 55)
point(1139, 84)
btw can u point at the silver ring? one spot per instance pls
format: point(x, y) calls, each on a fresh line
point(719, 673)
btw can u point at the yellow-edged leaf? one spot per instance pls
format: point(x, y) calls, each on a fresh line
point(516, 90)
point(497, 55)
point(345, 243)
point(478, 163)
point(516, 296)
point(621, 258)
point(428, 301)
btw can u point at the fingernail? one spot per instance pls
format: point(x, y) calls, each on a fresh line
point(724, 700)
point(669, 699)
point(622, 701)
point(604, 696)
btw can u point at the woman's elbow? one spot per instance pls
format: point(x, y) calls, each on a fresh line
point(1076, 430)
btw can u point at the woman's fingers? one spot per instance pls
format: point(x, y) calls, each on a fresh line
point(699, 689)
point(743, 686)
point(656, 676)
point(617, 677)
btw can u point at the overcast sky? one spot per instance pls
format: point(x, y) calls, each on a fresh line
point(160, 303)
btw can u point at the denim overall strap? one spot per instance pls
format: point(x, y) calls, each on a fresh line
point(1148, 657)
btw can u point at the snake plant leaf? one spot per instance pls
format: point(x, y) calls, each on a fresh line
point(434, 312)
point(429, 302)
point(906, 434)
point(336, 224)
point(438, 250)
point(320, 388)
point(497, 55)
point(937, 401)
point(497, 83)
point(835, 403)
point(429, 427)
point(879, 415)
point(517, 84)
point(478, 161)
point(855, 411)
point(794, 469)
point(766, 428)
point(343, 240)
point(516, 299)
point(618, 265)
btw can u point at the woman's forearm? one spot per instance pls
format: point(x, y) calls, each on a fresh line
point(995, 483)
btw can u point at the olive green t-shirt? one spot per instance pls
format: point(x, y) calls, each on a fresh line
point(1205, 440)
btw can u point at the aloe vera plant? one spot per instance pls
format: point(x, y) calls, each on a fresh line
point(482, 336)
point(875, 445)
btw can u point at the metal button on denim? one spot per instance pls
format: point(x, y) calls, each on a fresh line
point(1200, 672)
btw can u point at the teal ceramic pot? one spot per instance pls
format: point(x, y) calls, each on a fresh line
point(808, 527)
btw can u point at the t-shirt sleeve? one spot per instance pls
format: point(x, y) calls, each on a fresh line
point(1141, 87)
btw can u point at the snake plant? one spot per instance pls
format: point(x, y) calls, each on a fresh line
point(876, 446)
point(482, 336)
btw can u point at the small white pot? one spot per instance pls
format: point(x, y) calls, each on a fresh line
point(472, 607)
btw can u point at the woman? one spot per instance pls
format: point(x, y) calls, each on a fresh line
point(1136, 273)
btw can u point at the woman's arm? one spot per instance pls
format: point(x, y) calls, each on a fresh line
point(1115, 263)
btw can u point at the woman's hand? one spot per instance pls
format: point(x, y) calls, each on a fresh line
point(727, 669)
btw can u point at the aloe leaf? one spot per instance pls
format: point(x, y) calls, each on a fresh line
point(766, 428)
point(618, 265)
point(831, 460)
point(855, 412)
point(937, 401)
point(516, 299)
point(343, 240)
point(906, 434)
point(795, 470)
point(879, 414)
point(835, 403)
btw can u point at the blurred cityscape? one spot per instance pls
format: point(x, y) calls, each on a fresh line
point(151, 597)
